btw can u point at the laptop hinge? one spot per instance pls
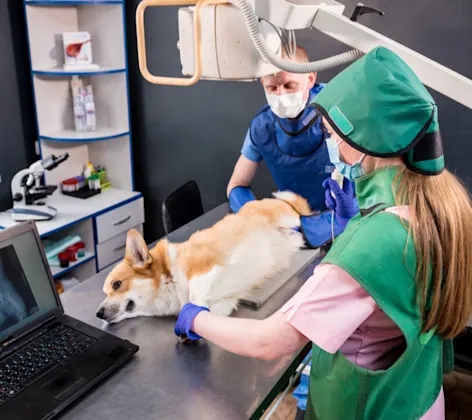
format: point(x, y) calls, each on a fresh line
point(10, 340)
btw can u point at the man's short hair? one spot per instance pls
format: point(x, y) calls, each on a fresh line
point(300, 56)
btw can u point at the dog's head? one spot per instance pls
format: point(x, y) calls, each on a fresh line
point(132, 286)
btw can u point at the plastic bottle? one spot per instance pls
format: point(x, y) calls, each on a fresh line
point(79, 109)
point(79, 114)
point(90, 109)
point(88, 170)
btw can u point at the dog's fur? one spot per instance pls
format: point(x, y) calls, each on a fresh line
point(215, 268)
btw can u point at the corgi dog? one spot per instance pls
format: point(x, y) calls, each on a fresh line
point(214, 268)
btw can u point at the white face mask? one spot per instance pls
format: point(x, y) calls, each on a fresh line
point(288, 105)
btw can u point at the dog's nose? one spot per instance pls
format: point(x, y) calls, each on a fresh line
point(101, 313)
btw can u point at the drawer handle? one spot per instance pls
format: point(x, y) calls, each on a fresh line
point(119, 248)
point(120, 222)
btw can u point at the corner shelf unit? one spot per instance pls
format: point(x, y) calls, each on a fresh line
point(105, 21)
point(110, 145)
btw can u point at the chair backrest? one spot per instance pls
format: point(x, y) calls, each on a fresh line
point(182, 206)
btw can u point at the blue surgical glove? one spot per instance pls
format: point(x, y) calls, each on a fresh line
point(185, 319)
point(317, 230)
point(239, 196)
point(344, 204)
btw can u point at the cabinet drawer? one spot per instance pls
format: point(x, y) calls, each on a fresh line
point(120, 220)
point(114, 249)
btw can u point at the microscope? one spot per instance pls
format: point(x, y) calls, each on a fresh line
point(28, 192)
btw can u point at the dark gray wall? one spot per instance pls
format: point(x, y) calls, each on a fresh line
point(196, 132)
point(17, 124)
point(183, 133)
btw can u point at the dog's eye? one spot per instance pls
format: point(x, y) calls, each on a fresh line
point(116, 285)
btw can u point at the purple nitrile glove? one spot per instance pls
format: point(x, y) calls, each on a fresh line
point(185, 319)
point(344, 205)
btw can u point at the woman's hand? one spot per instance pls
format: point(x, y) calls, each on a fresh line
point(183, 326)
point(267, 339)
point(343, 203)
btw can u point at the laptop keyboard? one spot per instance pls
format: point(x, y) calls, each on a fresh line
point(34, 360)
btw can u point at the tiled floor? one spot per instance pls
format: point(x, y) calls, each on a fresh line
point(457, 390)
point(286, 410)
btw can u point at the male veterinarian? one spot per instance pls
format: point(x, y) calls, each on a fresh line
point(289, 136)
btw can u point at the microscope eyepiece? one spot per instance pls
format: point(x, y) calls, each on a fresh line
point(52, 161)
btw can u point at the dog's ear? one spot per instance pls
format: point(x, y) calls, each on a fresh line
point(137, 253)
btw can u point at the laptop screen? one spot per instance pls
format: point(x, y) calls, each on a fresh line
point(25, 290)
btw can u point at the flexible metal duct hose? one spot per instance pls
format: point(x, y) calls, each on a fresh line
point(252, 23)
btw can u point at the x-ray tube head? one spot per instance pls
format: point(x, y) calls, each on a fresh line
point(226, 49)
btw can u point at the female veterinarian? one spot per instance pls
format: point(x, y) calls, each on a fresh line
point(396, 286)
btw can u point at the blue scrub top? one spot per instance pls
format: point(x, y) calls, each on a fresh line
point(293, 149)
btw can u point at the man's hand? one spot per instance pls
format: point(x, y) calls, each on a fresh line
point(238, 191)
point(343, 204)
point(183, 326)
point(238, 197)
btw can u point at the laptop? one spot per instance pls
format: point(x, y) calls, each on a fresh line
point(47, 359)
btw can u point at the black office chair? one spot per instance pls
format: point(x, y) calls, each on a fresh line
point(182, 206)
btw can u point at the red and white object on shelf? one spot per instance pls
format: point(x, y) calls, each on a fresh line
point(71, 254)
point(78, 51)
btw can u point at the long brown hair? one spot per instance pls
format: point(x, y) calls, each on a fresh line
point(440, 223)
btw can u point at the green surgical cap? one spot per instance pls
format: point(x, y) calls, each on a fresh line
point(379, 106)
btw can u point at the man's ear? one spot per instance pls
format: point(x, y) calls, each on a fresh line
point(311, 80)
point(137, 253)
point(261, 81)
